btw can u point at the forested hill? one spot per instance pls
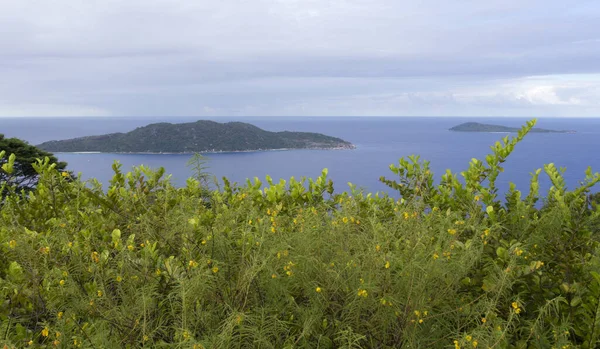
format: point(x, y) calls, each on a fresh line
point(200, 136)
point(478, 127)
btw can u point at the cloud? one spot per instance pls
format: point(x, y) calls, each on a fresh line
point(50, 110)
point(298, 57)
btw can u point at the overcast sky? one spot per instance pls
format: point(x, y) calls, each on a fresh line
point(299, 57)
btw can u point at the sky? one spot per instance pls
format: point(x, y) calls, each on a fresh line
point(300, 58)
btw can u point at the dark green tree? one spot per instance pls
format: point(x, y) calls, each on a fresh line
point(23, 176)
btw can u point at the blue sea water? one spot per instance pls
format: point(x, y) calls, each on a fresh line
point(379, 141)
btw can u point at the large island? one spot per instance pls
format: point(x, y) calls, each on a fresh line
point(200, 136)
point(478, 127)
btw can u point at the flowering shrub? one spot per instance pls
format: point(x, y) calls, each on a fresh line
point(293, 264)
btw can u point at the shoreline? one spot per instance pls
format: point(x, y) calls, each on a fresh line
point(201, 152)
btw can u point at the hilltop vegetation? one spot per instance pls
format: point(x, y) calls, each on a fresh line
point(294, 264)
point(478, 127)
point(195, 137)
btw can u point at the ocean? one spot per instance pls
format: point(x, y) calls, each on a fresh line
point(379, 142)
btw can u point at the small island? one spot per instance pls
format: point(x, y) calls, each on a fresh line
point(196, 137)
point(478, 127)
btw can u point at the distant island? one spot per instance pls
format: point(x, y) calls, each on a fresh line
point(478, 127)
point(201, 136)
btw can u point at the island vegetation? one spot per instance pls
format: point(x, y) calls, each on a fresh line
point(196, 137)
point(479, 127)
point(23, 176)
point(452, 263)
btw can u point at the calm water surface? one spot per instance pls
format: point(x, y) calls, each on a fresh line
point(379, 141)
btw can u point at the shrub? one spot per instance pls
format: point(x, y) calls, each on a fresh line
point(294, 264)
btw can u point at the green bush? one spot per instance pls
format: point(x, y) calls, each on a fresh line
point(295, 265)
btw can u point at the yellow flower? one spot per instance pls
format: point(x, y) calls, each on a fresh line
point(345, 219)
point(318, 290)
point(518, 310)
point(61, 282)
point(273, 276)
point(387, 264)
point(203, 242)
point(475, 344)
point(30, 342)
point(417, 313)
point(452, 231)
point(12, 244)
point(363, 293)
point(45, 332)
point(420, 321)
point(192, 264)
point(59, 315)
point(435, 256)
point(56, 343)
point(483, 320)
point(65, 174)
point(518, 251)
point(215, 270)
point(468, 338)
point(456, 345)
point(272, 229)
point(95, 257)
point(119, 278)
point(377, 248)
point(99, 293)
point(477, 198)
point(515, 305)
point(405, 214)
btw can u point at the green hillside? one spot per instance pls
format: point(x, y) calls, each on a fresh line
point(200, 136)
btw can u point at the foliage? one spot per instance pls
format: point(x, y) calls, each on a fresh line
point(295, 265)
point(200, 136)
point(23, 176)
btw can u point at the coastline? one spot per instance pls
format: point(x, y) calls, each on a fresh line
point(352, 147)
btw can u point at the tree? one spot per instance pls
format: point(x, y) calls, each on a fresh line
point(23, 175)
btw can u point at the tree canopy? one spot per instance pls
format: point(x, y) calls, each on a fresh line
point(23, 176)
